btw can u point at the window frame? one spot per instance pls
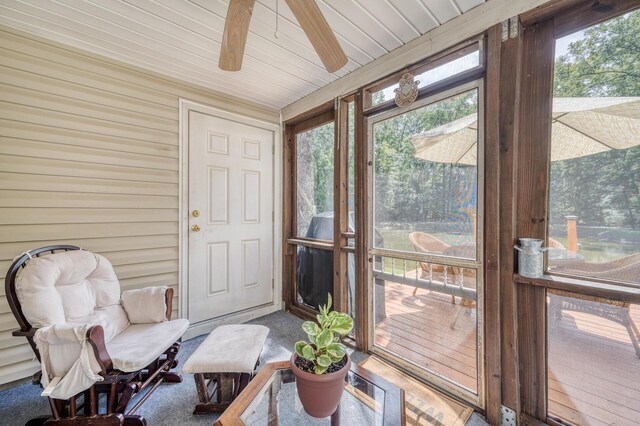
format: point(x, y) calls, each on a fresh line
point(448, 55)
point(316, 117)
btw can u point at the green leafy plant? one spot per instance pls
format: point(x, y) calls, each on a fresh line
point(324, 348)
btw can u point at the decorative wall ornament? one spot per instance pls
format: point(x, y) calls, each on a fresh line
point(407, 92)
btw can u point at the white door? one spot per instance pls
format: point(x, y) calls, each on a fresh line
point(230, 216)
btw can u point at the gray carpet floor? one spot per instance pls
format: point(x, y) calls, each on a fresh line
point(172, 404)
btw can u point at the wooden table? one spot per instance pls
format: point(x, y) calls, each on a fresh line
point(271, 399)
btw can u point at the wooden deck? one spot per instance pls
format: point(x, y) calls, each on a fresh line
point(419, 328)
point(594, 375)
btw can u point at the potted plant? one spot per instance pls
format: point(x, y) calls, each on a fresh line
point(321, 364)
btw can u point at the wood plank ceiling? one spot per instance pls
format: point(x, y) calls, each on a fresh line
point(181, 38)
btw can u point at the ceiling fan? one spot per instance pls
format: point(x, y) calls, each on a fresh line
point(310, 19)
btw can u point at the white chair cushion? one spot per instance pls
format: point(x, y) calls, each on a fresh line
point(145, 305)
point(66, 287)
point(140, 344)
point(112, 318)
point(228, 349)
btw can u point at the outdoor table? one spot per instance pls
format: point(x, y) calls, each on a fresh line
point(271, 398)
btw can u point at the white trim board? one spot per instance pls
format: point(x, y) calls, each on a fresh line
point(463, 27)
point(185, 106)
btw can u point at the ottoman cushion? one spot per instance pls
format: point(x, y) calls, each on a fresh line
point(228, 349)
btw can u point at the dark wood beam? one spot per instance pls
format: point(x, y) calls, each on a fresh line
point(492, 228)
point(341, 208)
point(532, 178)
point(509, 99)
point(361, 167)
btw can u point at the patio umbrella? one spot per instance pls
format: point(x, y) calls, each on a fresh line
point(580, 127)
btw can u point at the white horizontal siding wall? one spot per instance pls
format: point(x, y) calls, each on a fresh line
point(89, 156)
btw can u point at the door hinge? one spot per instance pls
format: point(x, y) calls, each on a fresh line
point(510, 28)
point(273, 216)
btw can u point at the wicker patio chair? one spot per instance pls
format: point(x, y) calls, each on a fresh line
point(553, 243)
point(427, 243)
point(623, 269)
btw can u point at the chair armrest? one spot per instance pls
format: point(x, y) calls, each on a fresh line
point(148, 305)
point(73, 358)
point(24, 333)
point(168, 300)
point(95, 337)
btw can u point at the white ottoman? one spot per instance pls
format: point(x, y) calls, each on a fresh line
point(225, 362)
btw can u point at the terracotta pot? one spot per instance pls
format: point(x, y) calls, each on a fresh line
point(320, 395)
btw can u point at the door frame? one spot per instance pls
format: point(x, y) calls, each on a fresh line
point(185, 107)
point(438, 380)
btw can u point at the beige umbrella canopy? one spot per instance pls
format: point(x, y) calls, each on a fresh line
point(580, 127)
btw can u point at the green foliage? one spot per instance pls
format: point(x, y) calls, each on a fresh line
point(602, 189)
point(606, 62)
point(408, 188)
point(315, 149)
point(324, 347)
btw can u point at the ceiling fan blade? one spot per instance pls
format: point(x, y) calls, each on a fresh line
point(236, 27)
point(319, 33)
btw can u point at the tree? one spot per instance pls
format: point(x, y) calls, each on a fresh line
point(606, 62)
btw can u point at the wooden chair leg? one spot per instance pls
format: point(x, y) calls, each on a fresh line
point(227, 387)
point(128, 391)
point(201, 387)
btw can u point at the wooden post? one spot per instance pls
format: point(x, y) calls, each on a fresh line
point(572, 234)
point(532, 180)
point(341, 208)
point(493, 372)
point(509, 98)
point(361, 158)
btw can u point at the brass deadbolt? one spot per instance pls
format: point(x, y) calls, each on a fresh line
point(195, 213)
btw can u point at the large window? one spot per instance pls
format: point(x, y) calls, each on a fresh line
point(594, 210)
point(314, 179)
point(594, 224)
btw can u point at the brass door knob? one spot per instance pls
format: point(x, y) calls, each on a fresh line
point(195, 213)
point(195, 228)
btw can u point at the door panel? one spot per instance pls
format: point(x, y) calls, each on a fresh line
point(231, 185)
point(425, 237)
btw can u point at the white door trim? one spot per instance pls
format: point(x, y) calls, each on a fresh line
point(185, 106)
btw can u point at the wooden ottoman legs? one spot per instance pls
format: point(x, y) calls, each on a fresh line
point(225, 387)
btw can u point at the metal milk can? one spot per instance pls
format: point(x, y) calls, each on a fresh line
point(531, 257)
